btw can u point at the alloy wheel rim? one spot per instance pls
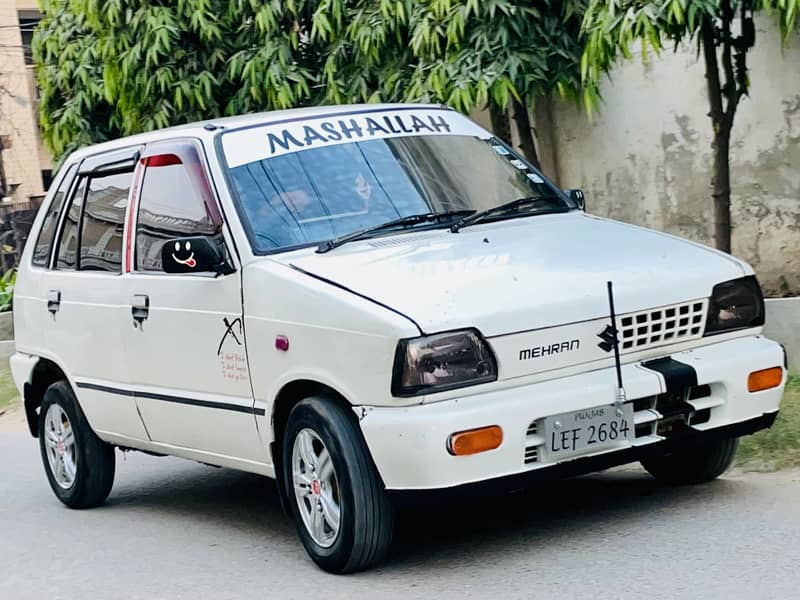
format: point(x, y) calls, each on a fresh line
point(59, 441)
point(316, 489)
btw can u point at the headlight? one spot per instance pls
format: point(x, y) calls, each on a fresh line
point(442, 361)
point(735, 304)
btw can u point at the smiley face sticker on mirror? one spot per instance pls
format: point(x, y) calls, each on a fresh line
point(187, 251)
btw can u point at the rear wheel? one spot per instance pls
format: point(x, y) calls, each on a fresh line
point(79, 465)
point(343, 514)
point(693, 465)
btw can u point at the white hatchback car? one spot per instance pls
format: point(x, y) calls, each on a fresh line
point(369, 301)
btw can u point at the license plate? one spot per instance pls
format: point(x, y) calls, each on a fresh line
point(588, 430)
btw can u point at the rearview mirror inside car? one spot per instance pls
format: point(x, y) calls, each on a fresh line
point(199, 254)
point(578, 197)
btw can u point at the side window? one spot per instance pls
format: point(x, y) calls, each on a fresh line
point(171, 206)
point(103, 223)
point(41, 252)
point(68, 242)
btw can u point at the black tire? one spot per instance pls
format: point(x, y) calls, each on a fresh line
point(94, 459)
point(698, 464)
point(366, 520)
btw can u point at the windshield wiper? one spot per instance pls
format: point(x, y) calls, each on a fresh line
point(505, 207)
point(407, 221)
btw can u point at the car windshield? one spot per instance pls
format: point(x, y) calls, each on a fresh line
point(310, 194)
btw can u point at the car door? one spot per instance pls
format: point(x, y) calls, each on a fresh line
point(30, 301)
point(183, 332)
point(83, 298)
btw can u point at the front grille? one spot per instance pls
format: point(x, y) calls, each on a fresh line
point(664, 325)
point(666, 414)
point(661, 415)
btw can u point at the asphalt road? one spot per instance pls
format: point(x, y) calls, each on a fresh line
point(175, 529)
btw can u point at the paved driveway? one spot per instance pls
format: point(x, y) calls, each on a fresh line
point(175, 529)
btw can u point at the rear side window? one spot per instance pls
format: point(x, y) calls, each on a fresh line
point(68, 242)
point(41, 251)
point(103, 223)
point(172, 205)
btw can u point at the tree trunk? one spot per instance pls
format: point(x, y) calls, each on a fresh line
point(2, 171)
point(526, 141)
point(501, 127)
point(721, 179)
point(722, 191)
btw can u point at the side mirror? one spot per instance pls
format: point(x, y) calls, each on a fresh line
point(578, 197)
point(194, 255)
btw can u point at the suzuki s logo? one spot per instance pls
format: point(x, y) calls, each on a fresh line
point(539, 351)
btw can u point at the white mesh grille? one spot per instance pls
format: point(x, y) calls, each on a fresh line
point(664, 325)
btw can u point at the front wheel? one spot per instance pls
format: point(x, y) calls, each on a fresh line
point(343, 514)
point(693, 465)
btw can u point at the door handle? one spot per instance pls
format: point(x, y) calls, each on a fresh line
point(53, 301)
point(140, 308)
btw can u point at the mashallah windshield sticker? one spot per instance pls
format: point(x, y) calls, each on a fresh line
point(244, 146)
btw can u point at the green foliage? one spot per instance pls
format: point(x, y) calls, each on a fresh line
point(116, 67)
point(73, 108)
point(612, 27)
point(463, 53)
point(7, 282)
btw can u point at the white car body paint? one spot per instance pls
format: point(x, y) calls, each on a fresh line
point(525, 284)
point(557, 263)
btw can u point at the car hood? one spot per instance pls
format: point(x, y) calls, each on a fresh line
point(521, 274)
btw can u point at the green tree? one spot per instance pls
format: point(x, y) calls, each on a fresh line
point(463, 53)
point(724, 32)
point(73, 107)
point(117, 67)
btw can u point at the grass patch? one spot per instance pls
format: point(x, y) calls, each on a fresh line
point(778, 447)
point(8, 391)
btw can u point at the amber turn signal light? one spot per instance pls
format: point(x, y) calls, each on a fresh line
point(764, 379)
point(473, 441)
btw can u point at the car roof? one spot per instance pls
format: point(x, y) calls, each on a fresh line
point(199, 128)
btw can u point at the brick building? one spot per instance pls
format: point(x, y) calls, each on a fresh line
point(25, 165)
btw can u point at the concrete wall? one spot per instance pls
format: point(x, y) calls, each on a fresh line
point(783, 325)
point(646, 157)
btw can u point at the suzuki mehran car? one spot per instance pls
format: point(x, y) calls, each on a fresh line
point(367, 302)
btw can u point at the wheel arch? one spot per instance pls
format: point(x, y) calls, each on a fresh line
point(44, 373)
point(286, 399)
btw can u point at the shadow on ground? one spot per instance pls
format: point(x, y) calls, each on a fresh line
point(546, 516)
point(453, 532)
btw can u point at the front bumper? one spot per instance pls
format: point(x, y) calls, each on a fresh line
point(408, 444)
